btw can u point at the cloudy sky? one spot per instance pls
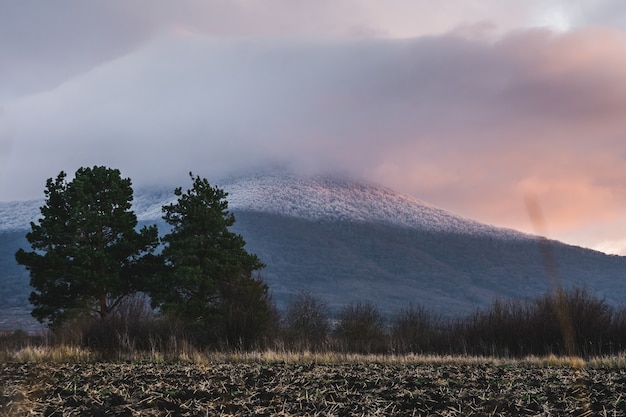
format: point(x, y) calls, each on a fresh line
point(471, 105)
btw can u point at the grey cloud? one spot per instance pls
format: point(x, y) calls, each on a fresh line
point(191, 100)
point(198, 101)
point(45, 43)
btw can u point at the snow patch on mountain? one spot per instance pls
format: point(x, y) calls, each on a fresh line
point(343, 199)
point(17, 215)
point(320, 198)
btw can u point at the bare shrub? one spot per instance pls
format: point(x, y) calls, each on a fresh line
point(361, 329)
point(572, 322)
point(133, 328)
point(417, 330)
point(501, 330)
point(307, 323)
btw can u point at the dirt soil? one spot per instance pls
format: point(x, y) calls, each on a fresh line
point(261, 389)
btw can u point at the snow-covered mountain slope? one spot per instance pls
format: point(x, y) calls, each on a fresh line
point(17, 215)
point(312, 198)
point(342, 199)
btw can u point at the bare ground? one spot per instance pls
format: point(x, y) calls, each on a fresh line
point(279, 389)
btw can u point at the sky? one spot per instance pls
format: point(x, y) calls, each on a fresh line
point(475, 106)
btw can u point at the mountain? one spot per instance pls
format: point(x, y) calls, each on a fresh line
point(345, 240)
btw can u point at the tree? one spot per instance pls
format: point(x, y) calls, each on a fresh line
point(87, 255)
point(208, 282)
point(416, 330)
point(361, 328)
point(307, 321)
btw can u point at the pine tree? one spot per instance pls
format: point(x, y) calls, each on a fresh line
point(87, 256)
point(208, 284)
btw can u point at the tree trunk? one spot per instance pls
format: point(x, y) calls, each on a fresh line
point(104, 311)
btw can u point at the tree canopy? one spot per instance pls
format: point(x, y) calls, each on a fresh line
point(208, 281)
point(87, 255)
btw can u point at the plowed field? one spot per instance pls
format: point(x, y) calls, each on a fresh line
point(262, 389)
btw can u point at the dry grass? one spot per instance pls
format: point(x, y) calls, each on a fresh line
point(62, 353)
point(187, 353)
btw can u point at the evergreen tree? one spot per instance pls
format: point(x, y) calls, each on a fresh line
point(87, 256)
point(208, 284)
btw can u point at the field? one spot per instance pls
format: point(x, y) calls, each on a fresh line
point(315, 386)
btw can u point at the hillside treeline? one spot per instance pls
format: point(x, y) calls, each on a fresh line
point(572, 322)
